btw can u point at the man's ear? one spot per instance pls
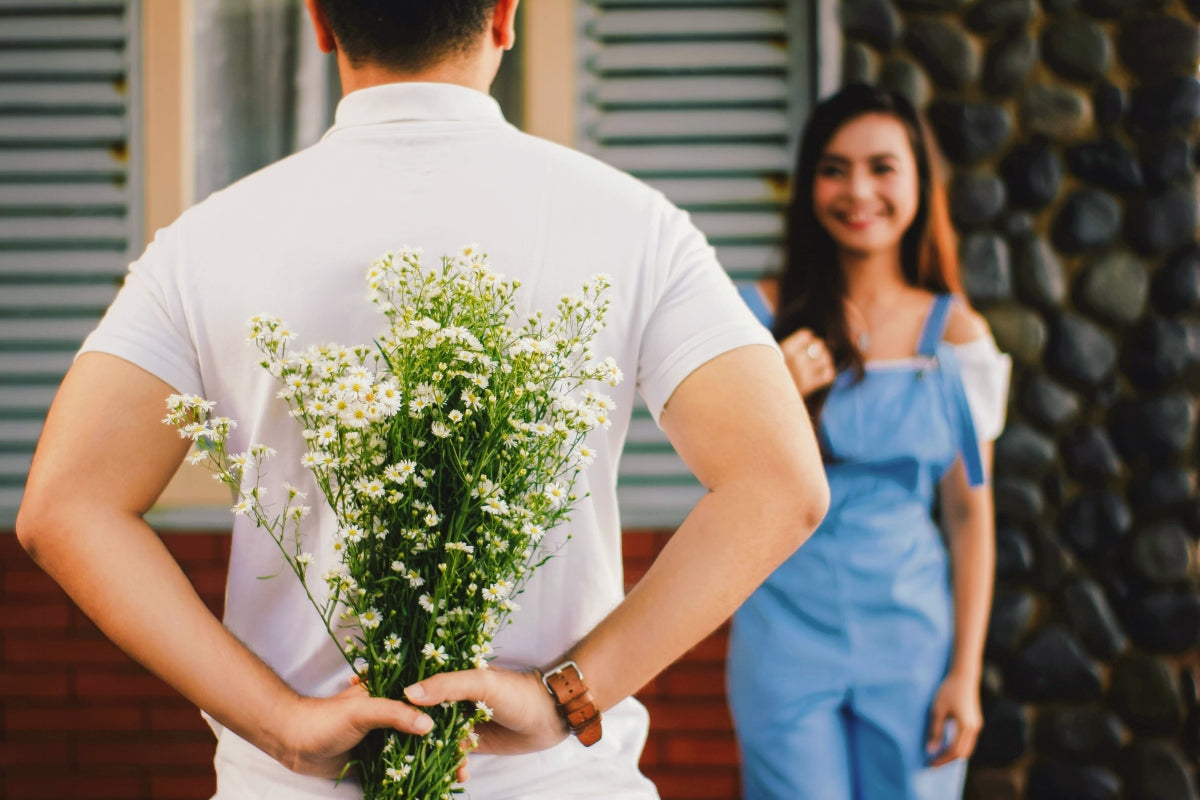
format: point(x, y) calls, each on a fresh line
point(325, 41)
point(504, 26)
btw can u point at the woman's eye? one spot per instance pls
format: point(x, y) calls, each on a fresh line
point(829, 171)
point(883, 169)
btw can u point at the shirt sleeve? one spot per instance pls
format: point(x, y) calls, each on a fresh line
point(696, 313)
point(146, 323)
point(986, 373)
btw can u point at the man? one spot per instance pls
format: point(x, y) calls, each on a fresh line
point(419, 155)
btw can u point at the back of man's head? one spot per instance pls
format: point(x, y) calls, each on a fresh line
point(406, 36)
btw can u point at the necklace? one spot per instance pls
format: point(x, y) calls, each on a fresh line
point(863, 340)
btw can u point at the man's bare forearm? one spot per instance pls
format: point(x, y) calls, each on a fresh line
point(115, 567)
point(728, 545)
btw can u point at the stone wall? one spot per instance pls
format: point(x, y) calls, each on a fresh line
point(1071, 131)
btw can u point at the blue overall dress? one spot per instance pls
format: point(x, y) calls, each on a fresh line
point(835, 659)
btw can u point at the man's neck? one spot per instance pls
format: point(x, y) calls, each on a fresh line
point(470, 72)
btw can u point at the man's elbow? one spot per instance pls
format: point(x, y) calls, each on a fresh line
point(38, 521)
point(811, 505)
point(29, 525)
point(799, 500)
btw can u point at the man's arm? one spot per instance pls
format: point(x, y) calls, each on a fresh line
point(103, 459)
point(740, 426)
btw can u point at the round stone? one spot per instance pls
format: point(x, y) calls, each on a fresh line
point(1089, 455)
point(1019, 332)
point(1021, 450)
point(1162, 552)
point(976, 198)
point(987, 276)
point(1089, 219)
point(1018, 501)
point(1106, 163)
point(1161, 491)
point(1055, 780)
point(1162, 221)
point(987, 16)
point(1079, 351)
point(1038, 272)
point(1032, 173)
point(1107, 9)
point(1053, 668)
point(1047, 403)
point(1108, 104)
point(1085, 734)
point(1173, 102)
point(1167, 162)
point(1160, 353)
point(969, 132)
point(1092, 619)
point(905, 78)
point(1143, 692)
point(1011, 616)
point(875, 22)
point(1165, 621)
point(1114, 288)
point(1159, 46)
point(1052, 562)
point(948, 54)
point(1176, 287)
point(1077, 49)
point(1094, 524)
point(1005, 734)
point(1007, 63)
point(859, 63)
point(1156, 770)
point(1014, 554)
point(992, 783)
point(1016, 225)
point(931, 5)
point(1055, 112)
point(1157, 429)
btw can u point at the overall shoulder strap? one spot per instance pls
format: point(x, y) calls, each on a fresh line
point(935, 325)
point(968, 439)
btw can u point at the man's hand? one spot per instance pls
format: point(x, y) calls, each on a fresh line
point(321, 732)
point(524, 717)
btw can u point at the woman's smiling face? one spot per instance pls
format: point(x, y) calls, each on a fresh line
point(865, 192)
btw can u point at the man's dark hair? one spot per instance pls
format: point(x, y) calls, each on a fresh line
point(405, 35)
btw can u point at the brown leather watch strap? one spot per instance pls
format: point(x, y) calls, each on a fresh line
point(575, 703)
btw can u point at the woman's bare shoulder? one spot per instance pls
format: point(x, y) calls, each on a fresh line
point(965, 325)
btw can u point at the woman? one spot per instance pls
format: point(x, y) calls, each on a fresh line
point(854, 670)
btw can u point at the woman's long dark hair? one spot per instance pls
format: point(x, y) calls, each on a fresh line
point(812, 285)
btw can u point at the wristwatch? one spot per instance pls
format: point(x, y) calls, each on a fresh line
point(575, 703)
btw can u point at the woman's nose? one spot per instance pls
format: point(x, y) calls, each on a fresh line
point(860, 185)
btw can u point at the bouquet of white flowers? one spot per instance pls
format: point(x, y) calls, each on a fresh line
point(446, 450)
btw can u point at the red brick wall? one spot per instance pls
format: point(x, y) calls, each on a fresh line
point(80, 721)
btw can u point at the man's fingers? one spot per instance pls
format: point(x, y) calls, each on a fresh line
point(470, 684)
point(378, 712)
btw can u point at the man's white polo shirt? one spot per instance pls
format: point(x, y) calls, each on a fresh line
point(432, 166)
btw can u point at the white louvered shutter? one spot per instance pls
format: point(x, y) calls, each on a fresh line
point(702, 100)
point(70, 199)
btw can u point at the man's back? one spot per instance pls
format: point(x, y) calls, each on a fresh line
point(431, 166)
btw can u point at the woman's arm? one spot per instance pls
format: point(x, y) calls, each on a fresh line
point(970, 526)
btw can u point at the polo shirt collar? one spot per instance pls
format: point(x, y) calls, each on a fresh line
point(415, 102)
